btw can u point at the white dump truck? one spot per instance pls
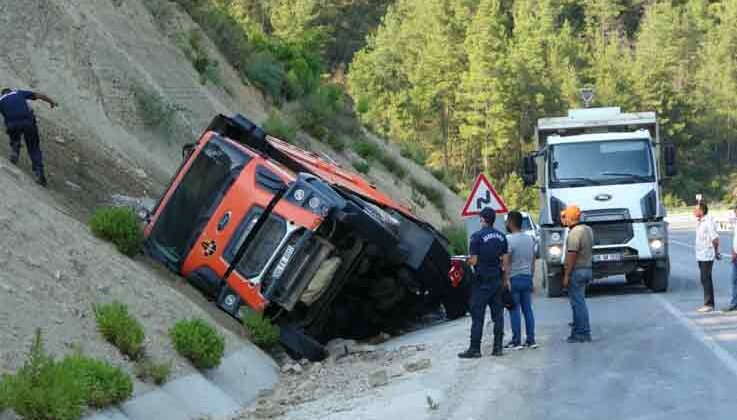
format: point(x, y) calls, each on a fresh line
point(612, 165)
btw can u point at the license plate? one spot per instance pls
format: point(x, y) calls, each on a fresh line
point(607, 257)
point(282, 265)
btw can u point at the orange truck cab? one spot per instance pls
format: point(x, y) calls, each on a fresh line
point(250, 219)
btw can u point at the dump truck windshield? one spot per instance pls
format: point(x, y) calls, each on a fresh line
point(202, 188)
point(601, 163)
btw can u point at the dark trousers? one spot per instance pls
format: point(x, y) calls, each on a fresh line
point(487, 291)
point(706, 281)
point(33, 143)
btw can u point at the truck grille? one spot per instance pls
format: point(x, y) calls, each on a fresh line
point(612, 234)
point(262, 247)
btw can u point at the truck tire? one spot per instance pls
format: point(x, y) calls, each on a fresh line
point(656, 278)
point(634, 277)
point(554, 285)
point(299, 345)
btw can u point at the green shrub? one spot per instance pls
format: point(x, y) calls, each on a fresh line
point(280, 127)
point(367, 149)
point(672, 201)
point(413, 153)
point(120, 328)
point(266, 72)
point(4, 393)
point(120, 226)
point(263, 333)
point(335, 142)
point(191, 44)
point(199, 342)
point(433, 195)
point(154, 111)
point(104, 385)
point(393, 165)
point(150, 370)
point(320, 108)
point(361, 166)
point(457, 239)
point(363, 105)
point(43, 389)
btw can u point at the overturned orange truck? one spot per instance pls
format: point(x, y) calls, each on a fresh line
point(250, 219)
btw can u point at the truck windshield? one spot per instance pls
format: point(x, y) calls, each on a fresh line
point(201, 190)
point(601, 163)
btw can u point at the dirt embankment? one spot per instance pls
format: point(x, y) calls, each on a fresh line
point(52, 271)
point(129, 99)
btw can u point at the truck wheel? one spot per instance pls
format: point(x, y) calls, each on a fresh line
point(554, 285)
point(634, 277)
point(301, 346)
point(656, 278)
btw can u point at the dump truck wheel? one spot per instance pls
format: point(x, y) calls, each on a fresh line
point(554, 285)
point(301, 346)
point(656, 278)
point(634, 277)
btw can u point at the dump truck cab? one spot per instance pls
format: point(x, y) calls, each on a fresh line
point(609, 164)
point(250, 219)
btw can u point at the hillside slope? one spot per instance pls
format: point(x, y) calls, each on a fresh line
point(130, 98)
point(52, 271)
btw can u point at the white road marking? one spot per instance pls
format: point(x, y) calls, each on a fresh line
point(708, 341)
point(681, 244)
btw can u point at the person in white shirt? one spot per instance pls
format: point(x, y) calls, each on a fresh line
point(707, 250)
point(733, 303)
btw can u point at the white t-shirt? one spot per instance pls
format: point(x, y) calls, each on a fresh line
point(733, 220)
point(706, 233)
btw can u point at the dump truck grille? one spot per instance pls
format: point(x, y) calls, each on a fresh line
point(612, 234)
point(262, 247)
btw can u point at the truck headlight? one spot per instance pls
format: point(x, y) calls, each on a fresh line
point(656, 244)
point(654, 231)
point(555, 251)
point(555, 237)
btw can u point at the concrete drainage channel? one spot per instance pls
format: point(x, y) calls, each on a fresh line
point(221, 392)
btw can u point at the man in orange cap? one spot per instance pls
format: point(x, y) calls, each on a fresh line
point(578, 274)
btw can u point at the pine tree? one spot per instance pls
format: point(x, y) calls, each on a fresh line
point(487, 125)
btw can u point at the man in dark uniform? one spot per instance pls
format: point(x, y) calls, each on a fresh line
point(488, 245)
point(20, 122)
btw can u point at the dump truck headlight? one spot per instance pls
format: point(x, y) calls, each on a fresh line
point(555, 237)
point(656, 244)
point(555, 251)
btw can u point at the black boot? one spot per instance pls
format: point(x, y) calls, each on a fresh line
point(14, 156)
point(498, 348)
point(471, 353)
point(40, 177)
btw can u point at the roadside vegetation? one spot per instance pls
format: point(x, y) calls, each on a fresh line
point(120, 328)
point(149, 370)
point(262, 332)
point(457, 239)
point(47, 389)
point(120, 226)
point(199, 342)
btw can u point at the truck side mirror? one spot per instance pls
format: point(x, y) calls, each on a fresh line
point(669, 159)
point(529, 171)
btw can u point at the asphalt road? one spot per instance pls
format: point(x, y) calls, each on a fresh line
point(653, 357)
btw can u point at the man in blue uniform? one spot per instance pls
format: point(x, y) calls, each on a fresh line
point(488, 245)
point(20, 122)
